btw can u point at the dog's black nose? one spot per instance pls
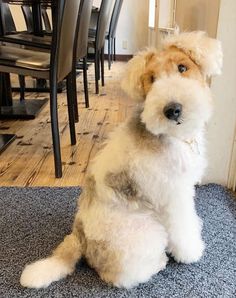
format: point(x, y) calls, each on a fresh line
point(173, 111)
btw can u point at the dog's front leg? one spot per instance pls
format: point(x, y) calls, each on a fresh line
point(183, 227)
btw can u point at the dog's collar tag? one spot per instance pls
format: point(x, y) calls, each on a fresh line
point(193, 144)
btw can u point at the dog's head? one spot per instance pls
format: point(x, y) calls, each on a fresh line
point(172, 83)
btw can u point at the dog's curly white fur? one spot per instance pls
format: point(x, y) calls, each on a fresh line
point(138, 202)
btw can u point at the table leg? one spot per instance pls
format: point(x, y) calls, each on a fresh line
point(5, 94)
point(16, 109)
point(5, 141)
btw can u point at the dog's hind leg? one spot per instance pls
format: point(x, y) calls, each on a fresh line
point(42, 273)
point(134, 252)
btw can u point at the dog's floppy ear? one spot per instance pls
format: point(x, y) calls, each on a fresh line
point(206, 52)
point(132, 81)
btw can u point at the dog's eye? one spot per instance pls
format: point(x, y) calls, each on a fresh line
point(182, 68)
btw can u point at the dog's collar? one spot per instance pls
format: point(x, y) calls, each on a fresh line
point(193, 144)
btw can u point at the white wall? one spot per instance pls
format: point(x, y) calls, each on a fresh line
point(96, 3)
point(166, 13)
point(132, 26)
point(221, 130)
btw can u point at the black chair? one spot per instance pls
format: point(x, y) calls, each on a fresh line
point(9, 27)
point(11, 32)
point(44, 43)
point(46, 20)
point(25, 38)
point(97, 42)
point(81, 49)
point(28, 16)
point(8, 24)
point(111, 35)
point(53, 66)
point(27, 13)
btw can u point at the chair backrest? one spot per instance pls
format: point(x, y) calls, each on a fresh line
point(27, 13)
point(102, 24)
point(114, 18)
point(46, 20)
point(7, 22)
point(65, 22)
point(83, 28)
point(28, 16)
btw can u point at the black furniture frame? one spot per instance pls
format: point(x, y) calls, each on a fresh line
point(8, 108)
point(34, 19)
point(81, 49)
point(10, 28)
point(111, 35)
point(28, 16)
point(44, 42)
point(97, 42)
point(65, 14)
point(5, 141)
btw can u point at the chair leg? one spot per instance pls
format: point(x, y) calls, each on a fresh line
point(55, 130)
point(114, 48)
point(109, 53)
point(85, 82)
point(71, 104)
point(41, 83)
point(74, 95)
point(102, 66)
point(96, 65)
point(22, 87)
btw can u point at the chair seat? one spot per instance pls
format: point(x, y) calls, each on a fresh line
point(28, 39)
point(35, 60)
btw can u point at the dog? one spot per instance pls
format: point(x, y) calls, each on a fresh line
point(138, 202)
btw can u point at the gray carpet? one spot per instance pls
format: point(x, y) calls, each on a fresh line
point(34, 220)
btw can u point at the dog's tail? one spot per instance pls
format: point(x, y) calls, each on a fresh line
point(62, 263)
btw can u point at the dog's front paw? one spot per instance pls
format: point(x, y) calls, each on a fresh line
point(189, 252)
point(42, 273)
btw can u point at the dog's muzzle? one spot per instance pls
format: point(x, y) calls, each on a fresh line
point(173, 111)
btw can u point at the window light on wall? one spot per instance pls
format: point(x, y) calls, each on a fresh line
point(152, 10)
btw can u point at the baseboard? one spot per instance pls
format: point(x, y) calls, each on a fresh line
point(120, 57)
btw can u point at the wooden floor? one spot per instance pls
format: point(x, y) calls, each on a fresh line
point(28, 161)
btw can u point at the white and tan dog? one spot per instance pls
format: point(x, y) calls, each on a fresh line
point(138, 202)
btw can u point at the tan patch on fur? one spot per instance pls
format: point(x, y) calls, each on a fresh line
point(165, 63)
point(122, 184)
point(105, 260)
point(70, 250)
point(98, 254)
point(127, 190)
point(90, 186)
point(206, 52)
point(89, 192)
point(131, 82)
point(78, 231)
point(143, 138)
